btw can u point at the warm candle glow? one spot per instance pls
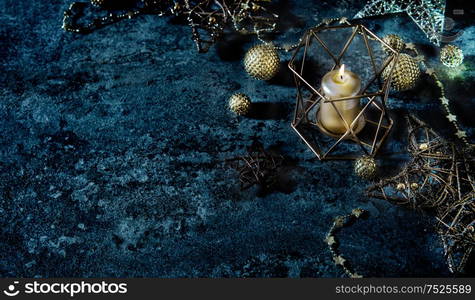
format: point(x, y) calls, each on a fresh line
point(342, 71)
point(337, 116)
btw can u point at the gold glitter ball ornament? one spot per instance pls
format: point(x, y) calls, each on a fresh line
point(395, 42)
point(262, 61)
point(451, 56)
point(365, 167)
point(239, 103)
point(405, 74)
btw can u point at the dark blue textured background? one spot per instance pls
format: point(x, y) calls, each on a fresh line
point(112, 148)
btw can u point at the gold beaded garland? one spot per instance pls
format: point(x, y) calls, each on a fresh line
point(395, 42)
point(262, 61)
point(451, 56)
point(239, 103)
point(405, 74)
point(333, 245)
point(365, 167)
point(461, 134)
point(98, 2)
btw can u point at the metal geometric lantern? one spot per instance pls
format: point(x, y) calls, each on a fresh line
point(367, 132)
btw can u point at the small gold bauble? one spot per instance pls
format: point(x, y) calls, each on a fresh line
point(365, 167)
point(423, 146)
point(239, 104)
point(395, 42)
point(451, 56)
point(400, 186)
point(414, 185)
point(262, 61)
point(212, 20)
point(405, 74)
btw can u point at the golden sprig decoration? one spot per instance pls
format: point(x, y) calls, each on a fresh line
point(208, 19)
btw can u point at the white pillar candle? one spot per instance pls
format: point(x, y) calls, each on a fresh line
point(337, 84)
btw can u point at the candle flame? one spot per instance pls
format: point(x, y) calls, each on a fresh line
point(342, 71)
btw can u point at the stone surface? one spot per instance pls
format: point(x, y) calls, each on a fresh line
point(113, 144)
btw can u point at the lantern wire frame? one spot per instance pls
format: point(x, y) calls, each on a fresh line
point(305, 127)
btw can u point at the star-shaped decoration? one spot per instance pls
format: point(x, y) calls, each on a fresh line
point(461, 134)
point(430, 71)
point(444, 101)
point(343, 20)
point(411, 46)
point(327, 21)
point(419, 58)
point(339, 221)
point(357, 212)
point(339, 260)
point(451, 117)
point(330, 240)
point(427, 14)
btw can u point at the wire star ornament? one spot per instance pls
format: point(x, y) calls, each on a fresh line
point(429, 15)
point(439, 179)
point(258, 167)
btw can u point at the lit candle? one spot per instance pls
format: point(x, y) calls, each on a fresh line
point(338, 84)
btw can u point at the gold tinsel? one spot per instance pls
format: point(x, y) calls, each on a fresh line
point(239, 103)
point(262, 61)
point(395, 42)
point(451, 56)
point(365, 167)
point(405, 74)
